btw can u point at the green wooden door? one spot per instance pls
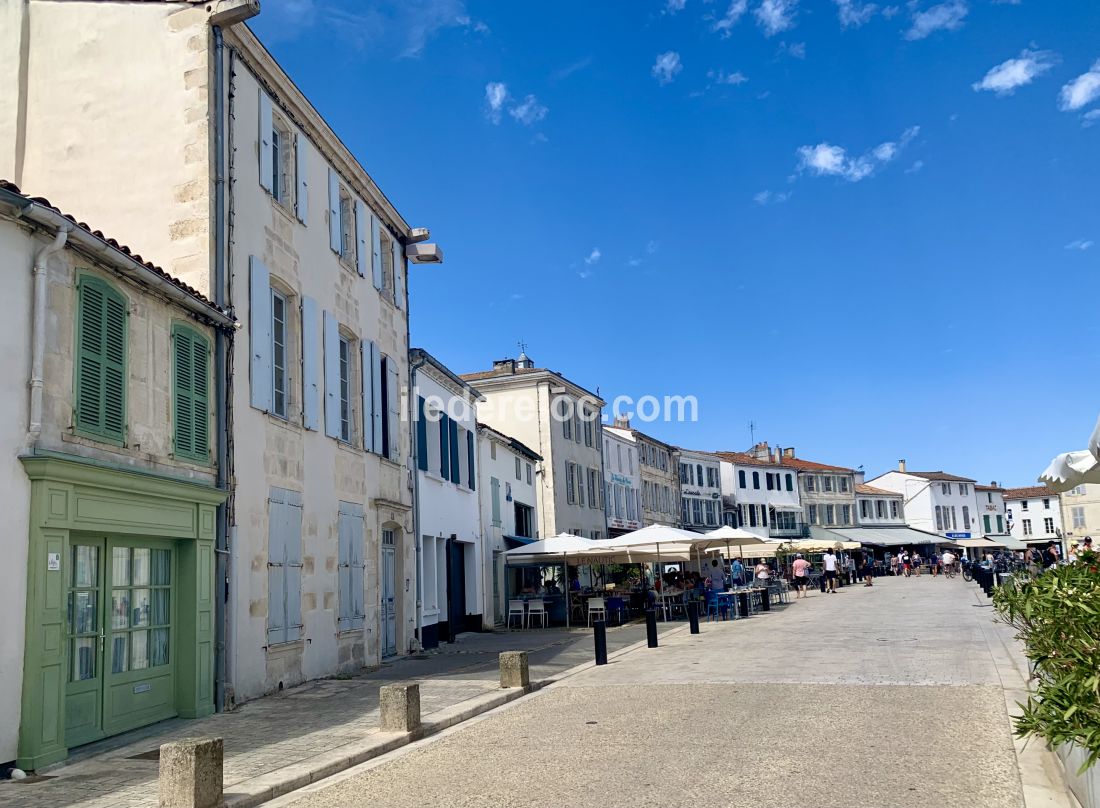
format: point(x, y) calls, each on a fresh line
point(84, 690)
point(121, 673)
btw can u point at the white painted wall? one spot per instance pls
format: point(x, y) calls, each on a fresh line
point(992, 504)
point(1039, 509)
point(922, 497)
point(692, 490)
point(868, 510)
point(755, 493)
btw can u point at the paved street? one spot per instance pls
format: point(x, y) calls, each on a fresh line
point(878, 698)
point(307, 726)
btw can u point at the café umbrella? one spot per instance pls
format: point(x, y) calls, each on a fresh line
point(564, 546)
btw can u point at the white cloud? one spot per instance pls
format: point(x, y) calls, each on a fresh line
point(666, 67)
point(1012, 73)
point(917, 166)
point(946, 16)
point(796, 50)
point(733, 15)
point(765, 198)
point(529, 111)
point(722, 77)
point(593, 257)
point(1080, 244)
point(496, 93)
point(776, 15)
point(672, 6)
point(1082, 91)
point(570, 69)
point(828, 160)
point(853, 14)
point(1090, 118)
point(584, 274)
point(651, 247)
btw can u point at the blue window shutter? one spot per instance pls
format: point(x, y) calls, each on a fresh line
point(376, 397)
point(376, 251)
point(265, 141)
point(361, 237)
point(398, 274)
point(367, 394)
point(470, 459)
point(334, 211)
point(444, 446)
point(311, 383)
point(455, 459)
point(393, 428)
point(355, 559)
point(343, 569)
point(259, 285)
point(332, 376)
point(276, 568)
point(421, 435)
point(301, 172)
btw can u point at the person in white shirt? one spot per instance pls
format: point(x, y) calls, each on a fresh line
point(830, 571)
point(948, 562)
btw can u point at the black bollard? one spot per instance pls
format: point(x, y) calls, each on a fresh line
point(651, 627)
point(744, 606)
point(822, 583)
point(599, 634)
point(766, 600)
point(693, 616)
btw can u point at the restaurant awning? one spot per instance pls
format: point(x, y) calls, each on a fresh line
point(782, 507)
point(977, 544)
point(886, 536)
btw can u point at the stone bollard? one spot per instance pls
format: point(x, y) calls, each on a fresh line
point(400, 707)
point(191, 773)
point(513, 669)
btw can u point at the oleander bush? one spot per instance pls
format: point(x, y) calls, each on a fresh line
point(1057, 615)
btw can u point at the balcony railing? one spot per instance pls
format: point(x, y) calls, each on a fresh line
point(799, 530)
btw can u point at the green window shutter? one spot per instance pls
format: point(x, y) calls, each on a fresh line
point(100, 360)
point(191, 394)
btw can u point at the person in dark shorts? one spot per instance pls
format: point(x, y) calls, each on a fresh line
point(831, 564)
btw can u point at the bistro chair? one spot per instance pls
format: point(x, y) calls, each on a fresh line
point(617, 606)
point(715, 606)
point(596, 608)
point(515, 609)
point(537, 608)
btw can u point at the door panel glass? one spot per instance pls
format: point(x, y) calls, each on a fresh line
point(120, 566)
point(84, 613)
point(120, 656)
point(158, 653)
point(139, 650)
point(83, 659)
point(140, 576)
point(139, 608)
point(120, 609)
point(161, 568)
point(85, 566)
point(158, 612)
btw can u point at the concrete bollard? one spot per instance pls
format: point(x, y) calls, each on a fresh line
point(191, 773)
point(513, 669)
point(400, 707)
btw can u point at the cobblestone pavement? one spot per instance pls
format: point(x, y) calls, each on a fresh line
point(265, 735)
point(894, 696)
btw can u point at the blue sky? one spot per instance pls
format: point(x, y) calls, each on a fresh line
point(866, 228)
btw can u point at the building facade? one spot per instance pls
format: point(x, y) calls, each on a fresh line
point(761, 496)
point(1081, 511)
point(992, 514)
point(935, 501)
point(560, 420)
point(268, 214)
point(827, 493)
point(110, 489)
point(508, 482)
point(1034, 515)
point(622, 480)
point(449, 549)
point(878, 507)
point(660, 477)
point(700, 490)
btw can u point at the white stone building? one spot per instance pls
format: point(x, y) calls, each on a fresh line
point(508, 483)
point(878, 507)
point(1034, 515)
point(992, 513)
point(660, 476)
point(700, 490)
point(761, 496)
point(237, 184)
point(1081, 512)
point(450, 551)
point(560, 420)
point(935, 501)
point(622, 480)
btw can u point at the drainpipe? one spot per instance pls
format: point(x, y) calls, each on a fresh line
point(38, 328)
point(221, 411)
point(415, 471)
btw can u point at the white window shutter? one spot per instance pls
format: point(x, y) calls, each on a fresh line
point(334, 211)
point(311, 363)
point(398, 274)
point(376, 251)
point(393, 414)
point(259, 284)
point(365, 347)
point(265, 141)
point(361, 237)
point(301, 173)
point(332, 376)
point(376, 396)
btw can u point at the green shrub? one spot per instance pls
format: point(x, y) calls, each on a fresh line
point(1057, 614)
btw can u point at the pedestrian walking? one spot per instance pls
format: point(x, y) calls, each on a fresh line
point(830, 562)
point(935, 564)
point(737, 572)
point(893, 565)
point(801, 576)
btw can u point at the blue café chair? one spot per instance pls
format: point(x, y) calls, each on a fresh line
point(616, 606)
point(716, 607)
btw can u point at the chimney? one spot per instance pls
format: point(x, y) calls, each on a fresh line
point(789, 452)
point(778, 454)
point(860, 477)
point(524, 361)
point(622, 422)
point(993, 483)
point(505, 366)
point(761, 451)
point(901, 465)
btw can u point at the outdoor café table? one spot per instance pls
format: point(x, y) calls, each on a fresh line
point(744, 607)
point(765, 596)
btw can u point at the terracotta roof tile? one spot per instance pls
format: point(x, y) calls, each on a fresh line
point(744, 459)
point(492, 374)
point(810, 465)
point(939, 476)
point(40, 200)
point(863, 488)
point(1029, 492)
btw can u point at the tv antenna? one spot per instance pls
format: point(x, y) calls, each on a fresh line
point(752, 432)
